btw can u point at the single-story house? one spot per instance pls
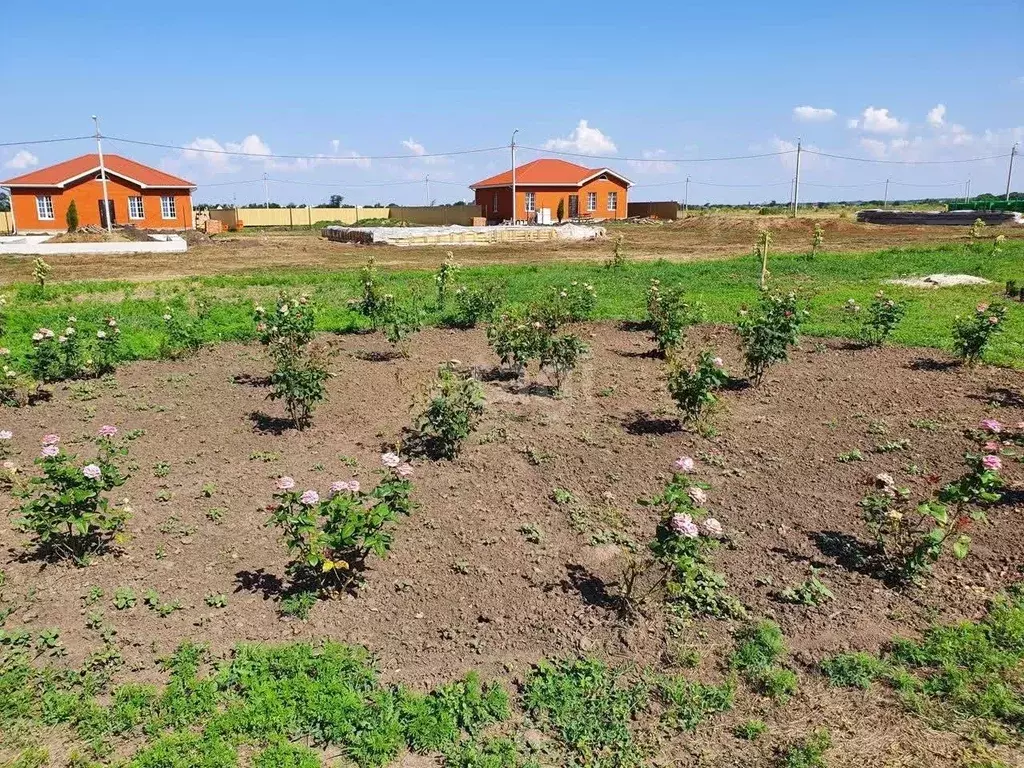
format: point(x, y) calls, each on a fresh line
point(585, 193)
point(137, 195)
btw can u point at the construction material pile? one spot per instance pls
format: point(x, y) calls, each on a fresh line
point(458, 235)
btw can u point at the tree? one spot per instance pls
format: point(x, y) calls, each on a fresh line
point(5, 202)
point(335, 201)
point(560, 212)
point(71, 217)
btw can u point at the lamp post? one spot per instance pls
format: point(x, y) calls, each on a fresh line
point(514, 175)
point(103, 174)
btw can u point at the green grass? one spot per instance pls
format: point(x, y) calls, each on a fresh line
point(723, 286)
point(808, 752)
point(970, 673)
point(759, 650)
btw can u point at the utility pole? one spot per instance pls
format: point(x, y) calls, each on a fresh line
point(103, 174)
point(1009, 173)
point(266, 192)
point(885, 201)
point(796, 180)
point(967, 192)
point(514, 175)
point(686, 196)
point(426, 184)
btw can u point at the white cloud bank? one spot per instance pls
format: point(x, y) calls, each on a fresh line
point(807, 114)
point(231, 156)
point(878, 120)
point(22, 160)
point(584, 140)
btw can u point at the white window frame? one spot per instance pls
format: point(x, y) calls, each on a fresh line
point(168, 207)
point(495, 202)
point(613, 201)
point(531, 202)
point(591, 202)
point(141, 209)
point(44, 208)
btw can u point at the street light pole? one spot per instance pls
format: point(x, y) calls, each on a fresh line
point(1009, 173)
point(514, 175)
point(796, 181)
point(103, 174)
point(686, 197)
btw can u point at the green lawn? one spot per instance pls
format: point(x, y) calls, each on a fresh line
point(724, 286)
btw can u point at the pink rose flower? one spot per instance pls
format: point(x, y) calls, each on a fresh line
point(404, 470)
point(982, 307)
point(697, 495)
point(390, 459)
point(992, 462)
point(713, 528)
point(991, 445)
point(992, 425)
point(684, 526)
point(684, 464)
point(339, 486)
point(108, 430)
point(51, 439)
point(993, 320)
point(285, 483)
point(49, 451)
point(718, 363)
point(92, 471)
point(310, 497)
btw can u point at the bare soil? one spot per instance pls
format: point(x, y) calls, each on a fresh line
point(464, 588)
point(691, 239)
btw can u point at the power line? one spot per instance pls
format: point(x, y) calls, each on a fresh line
point(230, 183)
point(660, 159)
point(43, 141)
point(711, 184)
point(332, 158)
point(903, 162)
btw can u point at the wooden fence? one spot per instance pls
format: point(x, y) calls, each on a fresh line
point(6, 222)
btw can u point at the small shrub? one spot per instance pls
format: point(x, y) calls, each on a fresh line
point(41, 273)
point(884, 314)
point(66, 507)
point(298, 604)
point(811, 591)
point(817, 240)
point(399, 322)
point(852, 670)
point(560, 356)
point(972, 334)
point(301, 382)
point(444, 278)
point(618, 259)
point(475, 305)
point(978, 229)
point(124, 598)
point(669, 315)
point(372, 302)
point(330, 539)
point(71, 217)
point(572, 304)
point(808, 752)
point(452, 412)
point(288, 328)
point(693, 387)
point(108, 347)
point(767, 333)
point(750, 730)
point(182, 334)
point(515, 340)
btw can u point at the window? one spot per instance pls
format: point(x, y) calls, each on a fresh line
point(591, 201)
point(613, 201)
point(495, 202)
point(531, 202)
point(135, 209)
point(167, 209)
point(44, 207)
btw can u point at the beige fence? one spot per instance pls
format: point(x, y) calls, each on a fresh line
point(437, 215)
point(6, 222)
point(292, 217)
point(659, 210)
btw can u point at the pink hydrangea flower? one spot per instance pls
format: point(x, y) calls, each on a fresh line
point(49, 451)
point(108, 430)
point(684, 464)
point(310, 497)
point(339, 486)
point(992, 425)
point(51, 439)
point(697, 495)
point(92, 471)
point(285, 483)
point(718, 362)
point(684, 526)
point(713, 528)
point(404, 470)
point(390, 459)
point(991, 445)
point(6, 434)
point(992, 462)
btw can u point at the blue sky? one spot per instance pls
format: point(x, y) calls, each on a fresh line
point(615, 82)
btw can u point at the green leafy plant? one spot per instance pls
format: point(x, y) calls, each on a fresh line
point(760, 647)
point(977, 230)
point(811, 591)
point(767, 333)
point(852, 670)
point(41, 273)
point(453, 410)
point(817, 239)
point(515, 340)
point(560, 355)
point(298, 604)
point(331, 538)
point(214, 600)
point(475, 305)
point(71, 217)
point(693, 387)
point(750, 730)
point(669, 315)
point(66, 506)
point(57, 357)
point(618, 259)
point(444, 278)
point(372, 302)
point(808, 752)
point(688, 704)
point(107, 353)
point(399, 322)
point(883, 315)
point(972, 334)
point(124, 598)
point(182, 333)
point(850, 456)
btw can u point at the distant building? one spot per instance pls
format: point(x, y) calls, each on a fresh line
point(138, 195)
point(585, 193)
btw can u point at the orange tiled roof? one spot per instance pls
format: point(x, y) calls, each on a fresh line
point(60, 174)
point(547, 171)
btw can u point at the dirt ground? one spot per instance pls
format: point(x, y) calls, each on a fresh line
point(464, 588)
point(694, 238)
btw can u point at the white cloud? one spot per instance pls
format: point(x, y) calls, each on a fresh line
point(253, 150)
point(878, 120)
point(335, 145)
point(936, 116)
point(806, 160)
point(807, 114)
point(22, 160)
point(584, 140)
point(652, 162)
point(419, 150)
point(852, 122)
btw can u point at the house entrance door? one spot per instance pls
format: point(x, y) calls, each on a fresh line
point(103, 213)
point(574, 206)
